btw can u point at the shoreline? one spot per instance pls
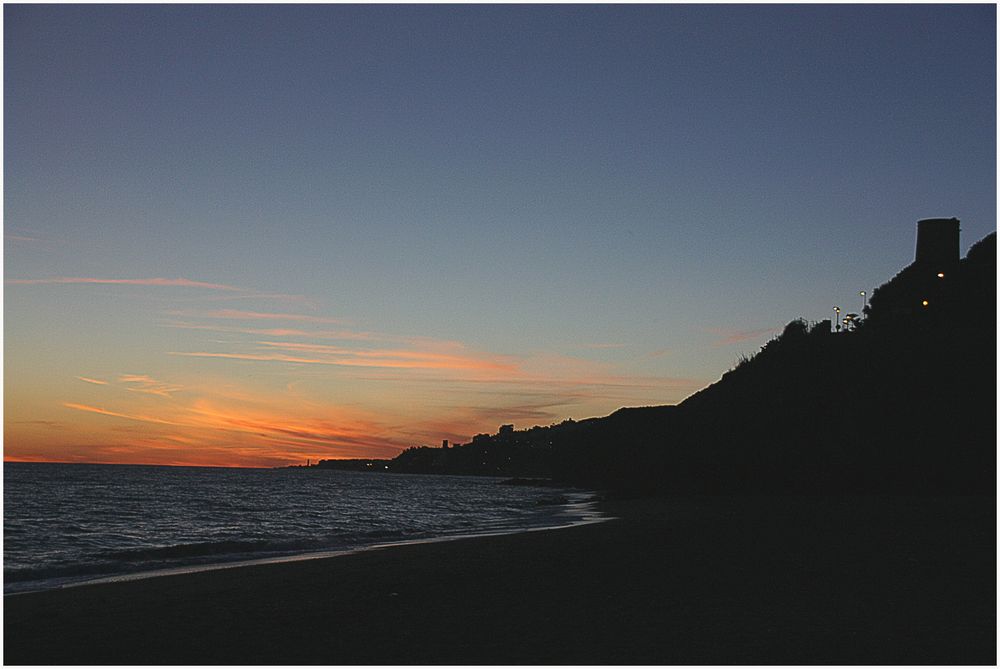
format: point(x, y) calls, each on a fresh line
point(584, 509)
point(699, 580)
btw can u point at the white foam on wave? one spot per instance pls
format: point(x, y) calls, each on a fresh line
point(580, 510)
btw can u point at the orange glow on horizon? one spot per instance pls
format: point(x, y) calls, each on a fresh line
point(316, 399)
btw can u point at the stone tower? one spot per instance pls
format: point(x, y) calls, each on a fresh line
point(937, 241)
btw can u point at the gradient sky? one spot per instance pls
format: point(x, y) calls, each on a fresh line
point(251, 235)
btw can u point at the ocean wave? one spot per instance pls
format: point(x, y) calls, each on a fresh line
point(205, 548)
point(55, 536)
point(50, 572)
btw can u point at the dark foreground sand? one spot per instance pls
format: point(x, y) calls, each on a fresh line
point(714, 580)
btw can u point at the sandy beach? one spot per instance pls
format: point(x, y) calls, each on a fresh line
point(803, 580)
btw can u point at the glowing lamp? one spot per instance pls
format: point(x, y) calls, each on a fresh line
point(940, 275)
point(924, 303)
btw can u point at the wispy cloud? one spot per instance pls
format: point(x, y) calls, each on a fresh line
point(116, 414)
point(215, 291)
point(561, 373)
point(300, 300)
point(248, 356)
point(402, 358)
point(298, 325)
point(728, 337)
point(251, 429)
point(141, 383)
point(428, 343)
point(240, 315)
point(278, 332)
point(358, 358)
point(410, 390)
point(184, 283)
point(581, 385)
point(225, 422)
point(42, 423)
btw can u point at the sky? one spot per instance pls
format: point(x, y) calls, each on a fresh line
point(248, 235)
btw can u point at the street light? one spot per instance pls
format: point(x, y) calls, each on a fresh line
point(864, 296)
point(837, 309)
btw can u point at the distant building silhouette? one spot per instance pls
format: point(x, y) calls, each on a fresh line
point(937, 241)
point(933, 288)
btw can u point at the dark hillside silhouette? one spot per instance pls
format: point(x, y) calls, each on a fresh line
point(906, 402)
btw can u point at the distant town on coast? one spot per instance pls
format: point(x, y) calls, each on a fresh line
point(805, 413)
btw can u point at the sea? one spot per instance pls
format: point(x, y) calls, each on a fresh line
point(67, 524)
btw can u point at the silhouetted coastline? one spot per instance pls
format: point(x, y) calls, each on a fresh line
point(905, 402)
point(831, 500)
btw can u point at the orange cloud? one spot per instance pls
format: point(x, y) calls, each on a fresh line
point(339, 356)
point(232, 425)
point(558, 373)
point(338, 427)
point(454, 392)
point(105, 412)
point(147, 384)
point(250, 431)
point(395, 357)
point(295, 331)
point(276, 357)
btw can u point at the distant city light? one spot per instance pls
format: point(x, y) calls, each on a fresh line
point(924, 303)
point(940, 275)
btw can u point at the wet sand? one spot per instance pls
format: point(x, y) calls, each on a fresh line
point(801, 580)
